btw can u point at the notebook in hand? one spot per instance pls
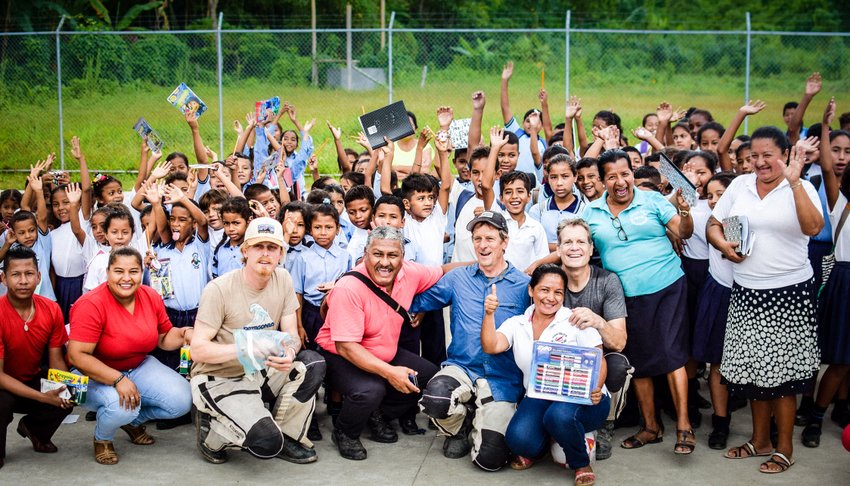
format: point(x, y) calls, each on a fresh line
point(678, 180)
point(186, 100)
point(390, 121)
point(262, 107)
point(144, 129)
point(459, 132)
point(736, 229)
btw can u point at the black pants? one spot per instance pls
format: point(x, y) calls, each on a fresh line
point(432, 334)
point(364, 392)
point(312, 320)
point(178, 318)
point(41, 419)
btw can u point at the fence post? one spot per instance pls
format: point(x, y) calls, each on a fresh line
point(348, 61)
point(220, 100)
point(747, 70)
point(390, 56)
point(567, 58)
point(59, 92)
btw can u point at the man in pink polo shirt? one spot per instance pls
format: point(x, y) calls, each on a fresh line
point(360, 342)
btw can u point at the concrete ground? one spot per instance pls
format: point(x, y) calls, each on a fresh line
point(412, 461)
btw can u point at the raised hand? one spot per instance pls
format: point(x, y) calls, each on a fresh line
point(445, 115)
point(363, 141)
point(678, 115)
point(313, 163)
point(478, 100)
point(543, 96)
point(75, 194)
point(290, 110)
point(211, 156)
point(829, 112)
point(237, 127)
point(336, 132)
point(389, 148)
point(174, 194)
point(258, 209)
point(808, 144)
point(752, 107)
point(498, 138)
point(534, 122)
point(192, 119)
point(443, 142)
point(251, 120)
point(508, 70)
point(664, 112)
point(642, 133)
point(425, 136)
point(153, 192)
point(491, 302)
point(573, 107)
point(35, 183)
point(795, 164)
point(161, 171)
point(814, 83)
point(77, 152)
point(310, 124)
point(37, 169)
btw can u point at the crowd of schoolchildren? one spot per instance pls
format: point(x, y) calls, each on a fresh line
point(188, 216)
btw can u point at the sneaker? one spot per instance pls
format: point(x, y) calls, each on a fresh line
point(409, 426)
point(381, 430)
point(811, 434)
point(349, 447)
point(295, 452)
point(604, 438)
point(457, 446)
point(91, 416)
point(202, 428)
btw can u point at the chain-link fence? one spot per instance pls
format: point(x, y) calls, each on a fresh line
point(110, 79)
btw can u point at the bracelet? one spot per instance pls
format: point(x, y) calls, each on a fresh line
point(798, 184)
point(117, 380)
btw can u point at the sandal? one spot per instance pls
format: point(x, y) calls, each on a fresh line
point(783, 463)
point(745, 451)
point(686, 442)
point(104, 452)
point(138, 435)
point(519, 463)
point(634, 442)
point(585, 478)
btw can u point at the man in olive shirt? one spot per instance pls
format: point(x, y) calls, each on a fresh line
point(231, 411)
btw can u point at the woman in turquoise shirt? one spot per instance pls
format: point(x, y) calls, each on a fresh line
point(630, 231)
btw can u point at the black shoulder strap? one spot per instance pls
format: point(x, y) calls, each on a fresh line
point(381, 295)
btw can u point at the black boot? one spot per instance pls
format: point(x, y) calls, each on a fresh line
point(719, 433)
point(380, 428)
point(313, 432)
point(334, 408)
point(694, 415)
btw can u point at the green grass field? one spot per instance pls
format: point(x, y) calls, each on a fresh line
point(29, 131)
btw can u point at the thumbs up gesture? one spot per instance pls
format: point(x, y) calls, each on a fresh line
point(491, 303)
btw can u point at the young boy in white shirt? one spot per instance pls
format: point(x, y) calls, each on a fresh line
point(527, 241)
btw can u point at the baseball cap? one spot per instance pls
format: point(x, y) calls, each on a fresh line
point(490, 217)
point(263, 229)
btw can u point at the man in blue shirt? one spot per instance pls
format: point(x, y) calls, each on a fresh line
point(475, 392)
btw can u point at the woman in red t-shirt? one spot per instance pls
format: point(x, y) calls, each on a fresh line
point(113, 328)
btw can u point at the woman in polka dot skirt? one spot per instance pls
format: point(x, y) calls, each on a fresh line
point(770, 350)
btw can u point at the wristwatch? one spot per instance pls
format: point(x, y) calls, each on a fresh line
point(684, 213)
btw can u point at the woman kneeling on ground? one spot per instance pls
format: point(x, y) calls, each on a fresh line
point(113, 329)
point(537, 420)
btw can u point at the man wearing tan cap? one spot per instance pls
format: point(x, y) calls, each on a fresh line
point(230, 404)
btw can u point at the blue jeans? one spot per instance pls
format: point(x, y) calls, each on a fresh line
point(536, 420)
point(164, 395)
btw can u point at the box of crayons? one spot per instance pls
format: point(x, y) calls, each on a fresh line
point(563, 373)
point(76, 385)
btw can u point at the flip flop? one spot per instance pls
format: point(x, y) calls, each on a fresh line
point(591, 475)
point(634, 443)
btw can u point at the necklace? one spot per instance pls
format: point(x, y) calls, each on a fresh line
point(28, 319)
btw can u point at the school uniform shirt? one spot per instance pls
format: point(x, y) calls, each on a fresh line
point(357, 244)
point(842, 243)
point(814, 174)
point(215, 236)
point(412, 251)
point(23, 349)
point(526, 161)
point(457, 188)
point(297, 162)
point(96, 271)
point(188, 272)
point(646, 262)
point(527, 243)
point(225, 258)
point(316, 265)
point(720, 268)
point(292, 253)
point(780, 255)
point(520, 334)
point(547, 213)
point(91, 248)
point(428, 236)
point(66, 253)
point(43, 247)
point(696, 247)
point(463, 250)
point(346, 227)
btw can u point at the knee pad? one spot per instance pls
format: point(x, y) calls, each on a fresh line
point(437, 396)
point(493, 452)
point(264, 440)
point(316, 368)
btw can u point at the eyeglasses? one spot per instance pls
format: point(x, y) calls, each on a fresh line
point(621, 233)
